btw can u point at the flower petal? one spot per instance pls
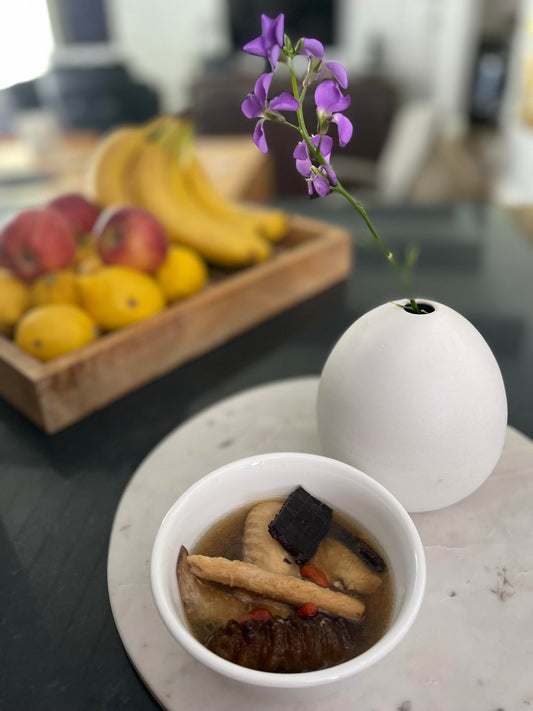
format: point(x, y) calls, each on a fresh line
point(321, 185)
point(252, 107)
point(345, 128)
point(303, 166)
point(312, 48)
point(259, 136)
point(339, 73)
point(262, 85)
point(273, 55)
point(327, 94)
point(284, 102)
point(332, 178)
point(272, 28)
point(256, 46)
point(326, 145)
point(342, 103)
point(301, 151)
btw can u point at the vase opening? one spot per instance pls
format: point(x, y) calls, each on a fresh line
point(424, 309)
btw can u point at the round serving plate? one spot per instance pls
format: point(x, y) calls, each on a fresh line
point(469, 647)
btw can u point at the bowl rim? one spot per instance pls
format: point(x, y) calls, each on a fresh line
point(393, 635)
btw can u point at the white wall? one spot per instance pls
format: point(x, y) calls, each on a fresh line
point(429, 46)
point(516, 184)
point(165, 41)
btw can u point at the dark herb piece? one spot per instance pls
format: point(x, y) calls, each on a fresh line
point(359, 547)
point(301, 524)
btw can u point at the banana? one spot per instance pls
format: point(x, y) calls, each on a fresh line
point(107, 182)
point(271, 223)
point(158, 185)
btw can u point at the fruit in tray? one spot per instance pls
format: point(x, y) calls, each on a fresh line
point(80, 213)
point(14, 300)
point(154, 166)
point(54, 329)
point(117, 296)
point(132, 237)
point(36, 241)
point(145, 237)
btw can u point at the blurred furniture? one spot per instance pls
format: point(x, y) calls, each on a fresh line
point(97, 96)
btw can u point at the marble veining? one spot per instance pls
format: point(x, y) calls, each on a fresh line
point(471, 647)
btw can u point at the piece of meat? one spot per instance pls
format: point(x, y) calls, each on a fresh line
point(296, 644)
point(338, 563)
point(208, 606)
point(205, 604)
point(285, 588)
point(258, 546)
point(359, 547)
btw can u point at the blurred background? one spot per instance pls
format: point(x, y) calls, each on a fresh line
point(442, 92)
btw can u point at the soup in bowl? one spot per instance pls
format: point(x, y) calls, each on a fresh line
point(287, 570)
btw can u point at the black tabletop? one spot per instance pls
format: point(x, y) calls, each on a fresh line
point(59, 648)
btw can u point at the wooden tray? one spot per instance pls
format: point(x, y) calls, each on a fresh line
point(313, 257)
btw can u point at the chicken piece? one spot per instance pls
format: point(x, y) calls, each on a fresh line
point(286, 588)
point(204, 603)
point(258, 546)
point(338, 563)
point(208, 606)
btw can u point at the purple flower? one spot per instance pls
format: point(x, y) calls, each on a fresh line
point(256, 105)
point(338, 72)
point(330, 101)
point(321, 178)
point(270, 41)
point(312, 48)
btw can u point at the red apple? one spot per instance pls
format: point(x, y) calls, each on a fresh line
point(77, 211)
point(132, 237)
point(36, 241)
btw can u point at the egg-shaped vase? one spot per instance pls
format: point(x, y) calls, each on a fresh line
point(417, 401)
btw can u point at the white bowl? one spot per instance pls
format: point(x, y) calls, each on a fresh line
point(346, 490)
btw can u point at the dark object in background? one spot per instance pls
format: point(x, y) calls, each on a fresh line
point(303, 18)
point(490, 70)
point(96, 97)
point(80, 21)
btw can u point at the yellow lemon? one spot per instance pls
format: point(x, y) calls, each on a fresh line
point(85, 247)
point(118, 296)
point(182, 274)
point(14, 300)
point(55, 288)
point(89, 264)
point(50, 330)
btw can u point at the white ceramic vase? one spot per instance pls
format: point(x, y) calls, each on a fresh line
point(415, 401)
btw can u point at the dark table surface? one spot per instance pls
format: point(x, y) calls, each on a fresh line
point(59, 648)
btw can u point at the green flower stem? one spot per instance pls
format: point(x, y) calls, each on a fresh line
point(402, 272)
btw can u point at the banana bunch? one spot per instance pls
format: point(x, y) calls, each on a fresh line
point(154, 166)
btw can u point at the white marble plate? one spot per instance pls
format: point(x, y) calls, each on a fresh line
point(471, 648)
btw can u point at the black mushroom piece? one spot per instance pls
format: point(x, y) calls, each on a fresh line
point(300, 525)
point(292, 645)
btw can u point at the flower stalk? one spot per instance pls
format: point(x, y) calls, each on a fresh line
point(313, 152)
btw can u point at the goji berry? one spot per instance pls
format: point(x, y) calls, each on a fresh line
point(259, 614)
point(311, 572)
